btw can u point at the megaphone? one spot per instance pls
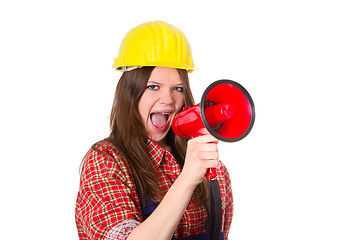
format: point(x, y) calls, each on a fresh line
point(226, 110)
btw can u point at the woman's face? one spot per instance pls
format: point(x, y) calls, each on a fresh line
point(161, 100)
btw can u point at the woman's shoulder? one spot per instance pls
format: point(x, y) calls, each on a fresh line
point(105, 146)
point(104, 157)
point(226, 191)
point(224, 178)
point(223, 171)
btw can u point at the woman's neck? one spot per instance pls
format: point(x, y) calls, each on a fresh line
point(163, 143)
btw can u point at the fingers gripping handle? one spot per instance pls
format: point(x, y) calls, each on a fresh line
point(211, 174)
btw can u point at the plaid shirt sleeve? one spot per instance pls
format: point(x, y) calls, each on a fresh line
point(106, 206)
point(227, 199)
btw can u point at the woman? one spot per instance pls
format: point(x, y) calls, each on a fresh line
point(143, 181)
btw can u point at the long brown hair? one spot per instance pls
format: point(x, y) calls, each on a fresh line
point(130, 137)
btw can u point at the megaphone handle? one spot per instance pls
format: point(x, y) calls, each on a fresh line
point(211, 172)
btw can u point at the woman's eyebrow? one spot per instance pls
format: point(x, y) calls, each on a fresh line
point(154, 82)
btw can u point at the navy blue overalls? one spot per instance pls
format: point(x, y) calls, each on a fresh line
point(150, 206)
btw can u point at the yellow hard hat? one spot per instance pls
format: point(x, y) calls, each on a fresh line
point(154, 44)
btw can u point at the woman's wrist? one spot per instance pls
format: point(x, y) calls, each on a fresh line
point(187, 181)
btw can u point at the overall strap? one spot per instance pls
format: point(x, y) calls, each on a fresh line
point(215, 210)
point(147, 205)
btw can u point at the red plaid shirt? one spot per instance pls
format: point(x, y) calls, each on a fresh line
point(108, 206)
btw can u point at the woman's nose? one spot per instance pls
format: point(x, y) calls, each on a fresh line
point(166, 97)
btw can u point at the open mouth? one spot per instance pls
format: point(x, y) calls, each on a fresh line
point(160, 119)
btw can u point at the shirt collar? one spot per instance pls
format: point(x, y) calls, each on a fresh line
point(157, 153)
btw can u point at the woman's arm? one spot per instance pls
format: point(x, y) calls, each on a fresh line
point(202, 153)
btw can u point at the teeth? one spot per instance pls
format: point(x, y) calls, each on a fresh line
point(166, 115)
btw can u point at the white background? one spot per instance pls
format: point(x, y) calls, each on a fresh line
point(296, 175)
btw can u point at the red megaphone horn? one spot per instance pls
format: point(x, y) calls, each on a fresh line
point(226, 110)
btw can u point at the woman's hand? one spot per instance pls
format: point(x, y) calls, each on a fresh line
point(202, 153)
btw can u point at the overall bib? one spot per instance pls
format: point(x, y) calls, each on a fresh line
point(213, 223)
point(149, 206)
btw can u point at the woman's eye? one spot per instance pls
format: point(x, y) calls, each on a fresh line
point(179, 89)
point(152, 87)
